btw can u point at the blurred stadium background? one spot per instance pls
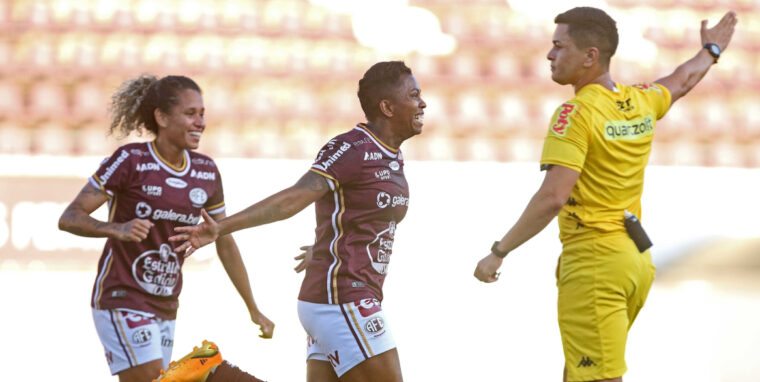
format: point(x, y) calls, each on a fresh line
point(279, 79)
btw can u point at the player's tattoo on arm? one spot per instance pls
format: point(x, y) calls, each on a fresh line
point(312, 182)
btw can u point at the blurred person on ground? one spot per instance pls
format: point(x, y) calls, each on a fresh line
point(151, 188)
point(360, 193)
point(594, 155)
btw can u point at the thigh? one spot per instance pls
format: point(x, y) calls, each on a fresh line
point(320, 371)
point(385, 367)
point(141, 373)
point(345, 335)
point(129, 339)
point(592, 311)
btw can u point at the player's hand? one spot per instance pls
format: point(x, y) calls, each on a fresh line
point(304, 258)
point(134, 230)
point(721, 33)
point(194, 237)
point(266, 326)
point(487, 270)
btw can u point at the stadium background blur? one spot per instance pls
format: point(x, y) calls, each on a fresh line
point(279, 79)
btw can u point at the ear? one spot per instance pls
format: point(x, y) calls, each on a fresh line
point(161, 119)
point(386, 107)
point(592, 57)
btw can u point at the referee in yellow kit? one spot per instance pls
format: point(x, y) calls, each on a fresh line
point(595, 152)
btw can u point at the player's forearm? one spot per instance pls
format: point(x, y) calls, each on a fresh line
point(82, 224)
point(541, 209)
point(279, 206)
point(229, 255)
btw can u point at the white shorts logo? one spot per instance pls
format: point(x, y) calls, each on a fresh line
point(198, 196)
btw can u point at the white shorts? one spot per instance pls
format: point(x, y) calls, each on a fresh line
point(132, 338)
point(345, 334)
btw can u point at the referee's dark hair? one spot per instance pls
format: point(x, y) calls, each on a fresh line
point(591, 27)
point(379, 83)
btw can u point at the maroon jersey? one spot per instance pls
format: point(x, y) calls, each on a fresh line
point(147, 276)
point(356, 222)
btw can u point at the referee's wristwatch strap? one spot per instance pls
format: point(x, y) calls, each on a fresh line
point(496, 252)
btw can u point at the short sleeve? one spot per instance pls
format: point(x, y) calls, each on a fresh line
point(215, 204)
point(113, 174)
point(657, 96)
point(339, 161)
point(566, 142)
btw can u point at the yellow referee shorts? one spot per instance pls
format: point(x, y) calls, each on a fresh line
point(602, 284)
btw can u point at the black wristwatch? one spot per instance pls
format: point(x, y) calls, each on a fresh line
point(496, 251)
point(713, 49)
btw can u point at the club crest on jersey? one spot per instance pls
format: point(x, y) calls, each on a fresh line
point(198, 197)
point(561, 121)
point(394, 165)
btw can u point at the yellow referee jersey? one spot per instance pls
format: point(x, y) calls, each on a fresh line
point(606, 135)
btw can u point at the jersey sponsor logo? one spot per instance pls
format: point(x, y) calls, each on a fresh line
point(368, 306)
point(383, 174)
point(372, 155)
point(112, 168)
point(628, 130)
point(365, 140)
point(648, 87)
point(152, 190)
point(157, 271)
point(176, 183)
point(190, 219)
point(198, 197)
point(384, 200)
point(142, 337)
point(334, 358)
point(134, 320)
point(375, 326)
point(149, 166)
point(203, 175)
point(138, 152)
point(201, 161)
point(562, 123)
point(624, 106)
point(586, 362)
point(394, 165)
point(336, 155)
point(143, 210)
point(383, 247)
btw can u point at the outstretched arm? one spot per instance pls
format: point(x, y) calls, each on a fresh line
point(279, 206)
point(229, 255)
point(688, 74)
point(542, 208)
point(76, 219)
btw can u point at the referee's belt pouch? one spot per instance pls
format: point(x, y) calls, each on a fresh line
point(637, 233)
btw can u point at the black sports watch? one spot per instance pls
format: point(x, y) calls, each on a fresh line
point(713, 49)
point(496, 251)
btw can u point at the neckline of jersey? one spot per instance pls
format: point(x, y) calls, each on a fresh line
point(379, 142)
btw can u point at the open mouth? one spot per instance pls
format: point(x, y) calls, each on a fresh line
point(196, 134)
point(419, 118)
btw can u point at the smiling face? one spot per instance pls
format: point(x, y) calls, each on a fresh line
point(408, 108)
point(568, 62)
point(185, 123)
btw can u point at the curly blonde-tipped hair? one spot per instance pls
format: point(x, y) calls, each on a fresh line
point(133, 104)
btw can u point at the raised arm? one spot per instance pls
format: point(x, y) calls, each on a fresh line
point(688, 74)
point(279, 206)
point(76, 219)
